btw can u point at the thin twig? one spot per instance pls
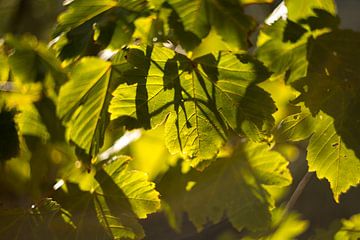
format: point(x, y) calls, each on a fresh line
point(298, 191)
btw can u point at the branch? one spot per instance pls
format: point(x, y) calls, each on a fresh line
point(298, 191)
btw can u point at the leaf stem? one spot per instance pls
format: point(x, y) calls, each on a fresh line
point(298, 191)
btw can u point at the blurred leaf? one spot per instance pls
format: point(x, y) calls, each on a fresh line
point(296, 127)
point(283, 227)
point(150, 153)
point(350, 229)
point(30, 123)
point(40, 221)
point(4, 70)
point(31, 60)
point(302, 9)
point(346, 229)
point(239, 182)
point(255, 1)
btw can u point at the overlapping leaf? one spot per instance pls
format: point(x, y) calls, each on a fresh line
point(302, 9)
point(109, 23)
point(40, 221)
point(83, 103)
point(118, 197)
point(282, 46)
point(226, 16)
point(282, 57)
point(31, 60)
point(239, 182)
point(204, 97)
point(331, 87)
point(296, 127)
point(331, 158)
point(30, 123)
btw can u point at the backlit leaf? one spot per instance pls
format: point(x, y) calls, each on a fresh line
point(118, 197)
point(239, 182)
point(82, 103)
point(203, 96)
point(226, 16)
point(331, 158)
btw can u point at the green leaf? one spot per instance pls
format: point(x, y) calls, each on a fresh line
point(145, 95)
point(285, 227)
point(32, 60)
point(302, 9)
point(346, 229)
point(226, 16)
point(296, 127)
point(5, 69)
point(283, 58)
point(282, 46)
point(330, 89)
point(30, 123)
point(239, 182)
point(83, 102)
point(193, 15)
point(350, 229)
point(119, 197)
point(331, 158)
point(201, 98)
point(88, 26)
point(81, 11)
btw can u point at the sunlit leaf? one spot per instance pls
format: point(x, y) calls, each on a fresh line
point(119, 197)
point(83, 103)
point(283, 58)
point(239, 181)
point(331, 158)
point(81, 11)
point(203, 97)
point(302, 9)
point(330, 90)
point(282, 46)
point(226, 17)
point(31, 60)
point(296, 127)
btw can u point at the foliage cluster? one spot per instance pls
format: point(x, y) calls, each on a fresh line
point(217, 128)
